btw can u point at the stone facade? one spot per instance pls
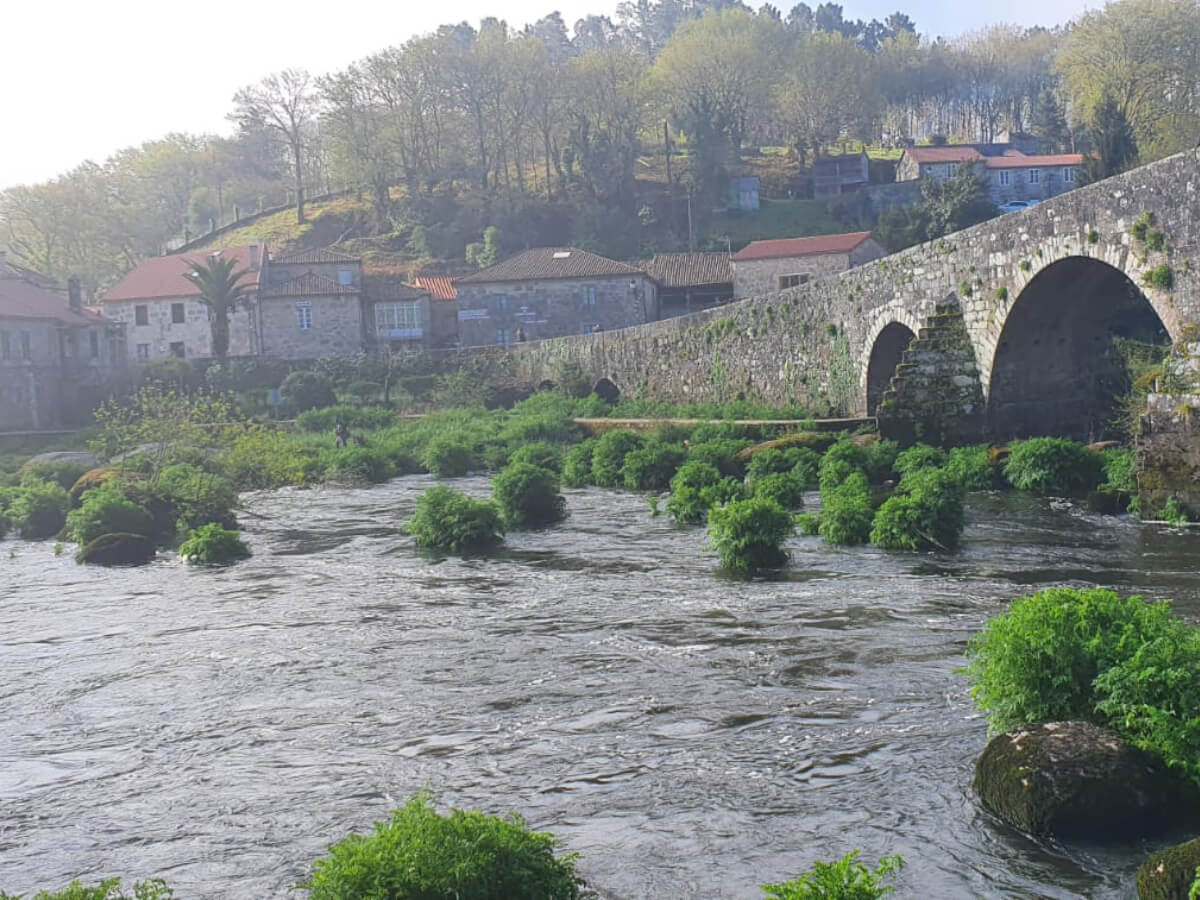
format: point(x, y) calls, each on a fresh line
point(309, 326)
point(176, 326)
point(491, 313)
point(753, 278)
point(813, 345)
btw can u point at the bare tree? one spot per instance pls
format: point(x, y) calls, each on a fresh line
point(286, 104)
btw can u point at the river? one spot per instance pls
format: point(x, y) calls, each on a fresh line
point(690, 736)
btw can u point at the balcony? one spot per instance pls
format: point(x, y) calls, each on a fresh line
point(416, 333)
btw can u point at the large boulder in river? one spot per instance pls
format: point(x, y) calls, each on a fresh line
point(1170, 874)
point(78, 457)
point(1076, 779)
point(91, 479)
point(119, 549)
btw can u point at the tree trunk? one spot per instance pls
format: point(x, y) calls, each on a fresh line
point(296, 156)
point(220, 333)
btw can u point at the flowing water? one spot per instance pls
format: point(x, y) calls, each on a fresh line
point(690, 736)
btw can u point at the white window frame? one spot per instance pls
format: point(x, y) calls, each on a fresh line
point(304, 316)
point(345, 277)
point(951, 169)
point(502, 337)
point(392, 316)
point(1069, 174)
point(143, 352)
point(1004, 177)
point(1035, 176)
point(589, 296)
point(499, 302)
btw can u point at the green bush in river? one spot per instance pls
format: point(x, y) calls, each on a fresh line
point(846, 512)
point(577, 464)
point(918, 456)
point(846, 879)
point(696, 488)
point(881, 460)
point(449, 456)
point(539, 453)
point(38, 509)
point(357, 465)
point(1039, 661)
point(808, 524)
point(749, 534)
point(422, 854)
point(608, 456)
point(925, 513)
point(785, 488)
point(213, 545)
point(722, 453)
point(110, 889)
point(802, 461)
point(973, 467)
point(1152, 698)
point(106, 510)
point(1053, 466)
point(528, 496)
point(652, 466)
point(196, 497)
point(446, 519)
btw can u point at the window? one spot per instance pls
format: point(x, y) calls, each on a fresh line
point(26, 346)
point(1035, 176)
point(500, 302)
point(304, 315)
point(1069, 175)
point(952, 169)
point(177, 349)
point(345, 276)
point(791, 281)
point(390, 316)
point(5, 346)
point(589, 297)
point(1005, 177)
point(143, 352)
point(94, 342)
point(141, 315)
point(178, 316)
point(501, 335)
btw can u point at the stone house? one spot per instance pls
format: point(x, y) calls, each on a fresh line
point(1009, 173)
point(550, 292)
point(56, 355)
point(307, 317)
point(443, 308)
point(833, 176)
point(763, 267)
point(689, 282)
point(398, 316)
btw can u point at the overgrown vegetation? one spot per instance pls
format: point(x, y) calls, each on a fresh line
point(213, 545)
point(749, 534)
point(925, 513)
point(109, 889)
point(845, 879)
point(1053, 466)
point(448, 520)
point(528, 496)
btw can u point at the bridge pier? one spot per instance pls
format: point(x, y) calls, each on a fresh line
point(1169, 443)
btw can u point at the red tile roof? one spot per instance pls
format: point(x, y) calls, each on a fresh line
point(943, 154)
point(162, 276)
point(440, 287)
point(1033, 162)
point(801, 246)
point(21, 300)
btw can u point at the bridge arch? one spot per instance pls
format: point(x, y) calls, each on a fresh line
point(889, 335)
point(1055, 369)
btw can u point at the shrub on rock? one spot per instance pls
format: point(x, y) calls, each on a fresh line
point(539, 453)
point(1075, 779)
point(785, 488)
point(528, 496)
point(357, 465)
point(608, 456)
point(119, 549)
point(107, 511)
point(651, 467)
point(696, 488)
point(919, 456)
point(449, 456)
point(213, 545)
point(1171, 874)
point(577, 464)
point(749, 534)
point(846, 512)
point(1039, 660)
point(723, 453)
point(195, 496)
point(92, 478)
point(1053, 466)
point(421, 853)
point(973, 467)
point(39, 509)
point(446, 519)
point(925, 513)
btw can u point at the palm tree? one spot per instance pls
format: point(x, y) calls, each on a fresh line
point(221, 290)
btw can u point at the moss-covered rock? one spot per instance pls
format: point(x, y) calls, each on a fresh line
point(117, 550)
point(93, 478)
point(1076, 779)
point(1169, 874)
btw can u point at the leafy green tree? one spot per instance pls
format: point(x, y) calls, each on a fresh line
point(222, 290)
point(953, 204)
point(1114, 148)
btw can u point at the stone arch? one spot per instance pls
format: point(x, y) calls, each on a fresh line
point(546, 385)
point(607, 391)
point(887, 352)
point(1054, 369)
point(887, 320)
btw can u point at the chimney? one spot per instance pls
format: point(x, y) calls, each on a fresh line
point(74, 294)
point(254, 256)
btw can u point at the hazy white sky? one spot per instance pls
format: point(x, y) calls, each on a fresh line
point(80, 79)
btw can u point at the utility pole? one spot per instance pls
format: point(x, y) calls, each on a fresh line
point(691, 236)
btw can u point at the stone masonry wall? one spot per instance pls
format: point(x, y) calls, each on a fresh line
point(812, 344)
point(755, 277)
point(337, 327)
point(160, 331)
point(1169, 445)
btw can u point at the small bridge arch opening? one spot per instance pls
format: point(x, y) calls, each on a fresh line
point(886, 354)
point(1057, 369)
point(607, 391)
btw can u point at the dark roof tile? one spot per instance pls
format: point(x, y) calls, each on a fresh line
point(690, 269)
point(549, 263)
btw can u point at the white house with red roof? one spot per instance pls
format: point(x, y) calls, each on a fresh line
point(1010, 173)
point(763, 267)
point(55, 353)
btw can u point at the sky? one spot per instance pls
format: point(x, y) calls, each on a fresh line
point(80, 79)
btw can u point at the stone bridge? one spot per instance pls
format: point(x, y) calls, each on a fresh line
point(1002, 330)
